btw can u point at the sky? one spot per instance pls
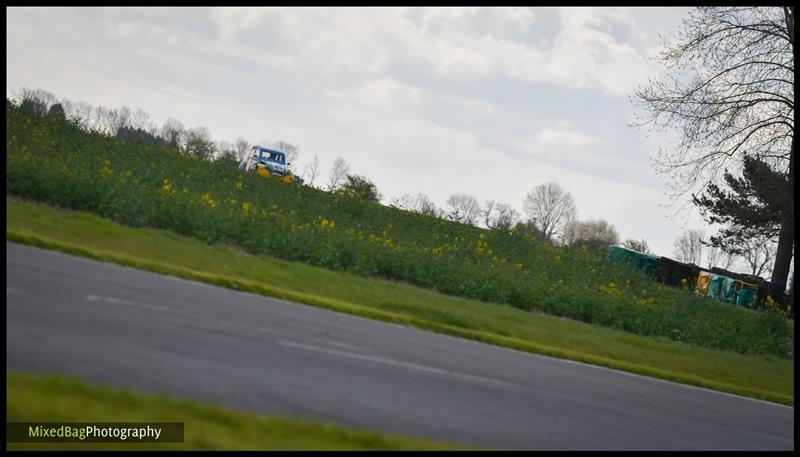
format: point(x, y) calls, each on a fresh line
point(485, 101)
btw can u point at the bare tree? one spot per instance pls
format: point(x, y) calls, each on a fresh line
point(637, 245)
point(35, 102)
point(311, 171)
point(123, 119)
point(758, 253)
point(139, 119)
point(595, 234)
point(506, 217)
point(69, 110)
point(730, 93)
point(692, 246)
point(424, 205)
point(242, 147)
point(419, 203)
point(718, 257)
point(339, 170)
point(154, 130)
point(499, 216)
point(405, 201)
point(173, 132)
point(488, 212)
point(104, 119)
point(79, 113)
point(464, 208)
point(689, 246)
point(550, 208)
point(111, 120)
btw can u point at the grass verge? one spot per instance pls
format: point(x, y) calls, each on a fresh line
point(83, 234)
point(49, 398)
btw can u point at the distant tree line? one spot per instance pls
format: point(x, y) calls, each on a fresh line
point(135, 125)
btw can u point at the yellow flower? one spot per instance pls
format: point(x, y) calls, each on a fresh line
point(775, 307)
point(207, 198)
point(610, 289)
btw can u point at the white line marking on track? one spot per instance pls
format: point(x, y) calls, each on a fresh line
point(398, 363)
point(121, 301)
point(339, 344)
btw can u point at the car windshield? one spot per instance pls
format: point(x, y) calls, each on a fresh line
point(273, 156)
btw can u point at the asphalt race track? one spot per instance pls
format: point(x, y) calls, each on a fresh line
point(133, 329)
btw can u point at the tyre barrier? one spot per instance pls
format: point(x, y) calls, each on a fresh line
point(739, 289)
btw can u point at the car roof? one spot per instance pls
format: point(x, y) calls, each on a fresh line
point(276, 151)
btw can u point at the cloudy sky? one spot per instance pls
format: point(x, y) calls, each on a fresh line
point(489, 102)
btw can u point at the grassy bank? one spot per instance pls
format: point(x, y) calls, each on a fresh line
point(48, 398)
point(765, 377)
point(141, 185)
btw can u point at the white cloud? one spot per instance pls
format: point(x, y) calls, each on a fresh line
point(384, 93)
point(499, 21)
point(563, 144)
point(562, 135)
point(582, 55)
point(230, 21)
point(454, 43)
point(318, 40)
point(128, 30)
